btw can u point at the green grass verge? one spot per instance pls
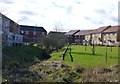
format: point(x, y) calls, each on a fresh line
point(85, 58)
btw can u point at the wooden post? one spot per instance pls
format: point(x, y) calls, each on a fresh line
point(64, 53)
point(85, 47)
point(71, 55)
point(106, 54)
point(93, 50)
point(111, 48)
point(106, 50)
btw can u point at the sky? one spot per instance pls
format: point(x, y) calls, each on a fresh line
point(62, 14)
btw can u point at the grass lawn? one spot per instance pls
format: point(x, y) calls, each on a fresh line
point(85, 58)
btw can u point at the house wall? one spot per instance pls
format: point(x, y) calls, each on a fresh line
point(79, 39)
point(32, 36)
point(10, 33)
point(5, 30)
point(110, 36)
point(70, 39)
point(0, 29)
point(88, 38)
point(95, 39)
point(14, 28)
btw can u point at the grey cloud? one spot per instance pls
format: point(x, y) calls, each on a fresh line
point(94, 20)
point(69, 9)
point(88, 18)
point(115, 19)
point(97, 22)
point(57, 5)
point(78, 2)
point(27, 12)
point(24, 18)
point(7, 1)
point(101, 11)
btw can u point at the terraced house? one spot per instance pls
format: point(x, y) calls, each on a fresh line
point(71, 36)
point(10, 32)
point(97, 35)
point(32, 34)
point(83, 37)
point(88, 37)
point(110, 35)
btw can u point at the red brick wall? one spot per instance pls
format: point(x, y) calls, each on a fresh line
point(14, 27)
point(30, 36)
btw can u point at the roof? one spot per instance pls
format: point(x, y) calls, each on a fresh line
point(101, 29)
point(112, 29)
point(72, 32)
point(83, 32)
point(32, 28)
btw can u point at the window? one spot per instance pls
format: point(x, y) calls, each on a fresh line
point(113, 41)
point(113, 33)
point(13, 37)
point(43, 33)
point(34, 33)
point(27, 32)
point(22, 32)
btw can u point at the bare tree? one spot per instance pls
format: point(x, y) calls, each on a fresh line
point(58, 27)
point(55, 40)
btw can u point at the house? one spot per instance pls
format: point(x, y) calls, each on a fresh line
point(32, 34)
point(10, 32)
point(1, 29)
point(111, 35)
point(97, 35)
point(88, 37)
point(71, 36)
point(81, 37)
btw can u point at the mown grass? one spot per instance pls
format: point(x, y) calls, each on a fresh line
point(86, 58)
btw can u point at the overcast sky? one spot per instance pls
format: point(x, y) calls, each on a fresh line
point(69, 14)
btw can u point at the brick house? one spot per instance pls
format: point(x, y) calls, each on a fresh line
point(71, 36)
point(82, 36)
point(10, 32)
point(111, 35)
point(32, 34)
point(97, 35)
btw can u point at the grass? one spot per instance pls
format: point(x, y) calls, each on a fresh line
point(21, 55)
point(85, 58)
